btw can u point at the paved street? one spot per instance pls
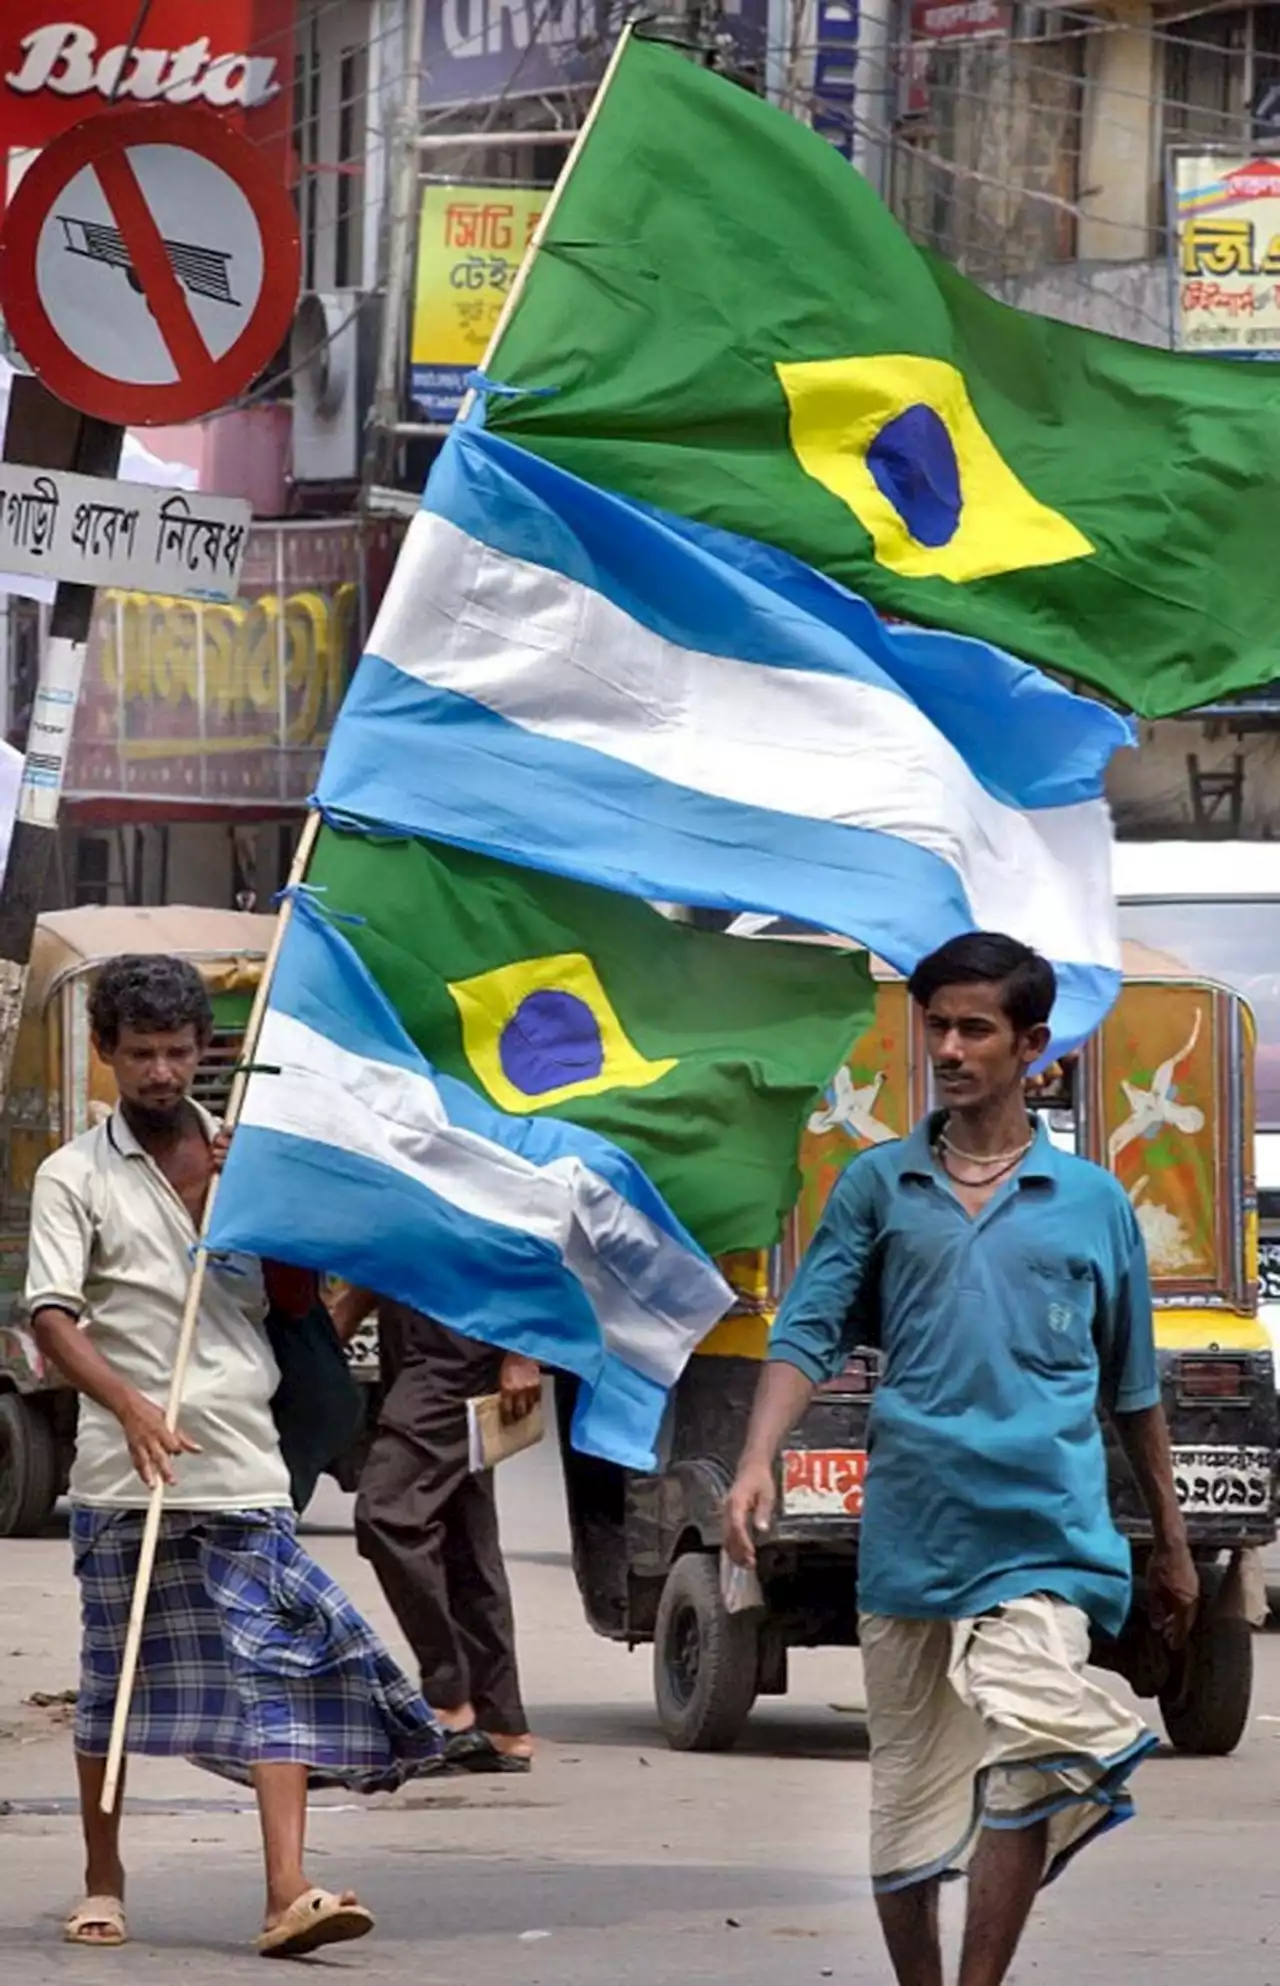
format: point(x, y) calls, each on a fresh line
point(615, 1861)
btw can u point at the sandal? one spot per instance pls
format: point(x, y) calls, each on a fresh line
point(316, 1918)
point(100, 1913)
point(473, 1750)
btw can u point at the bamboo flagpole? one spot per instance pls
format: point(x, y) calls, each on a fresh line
point(297, 875)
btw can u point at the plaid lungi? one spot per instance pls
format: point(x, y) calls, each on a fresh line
point(250, 1654)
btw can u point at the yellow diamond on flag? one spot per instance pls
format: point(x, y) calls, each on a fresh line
point(897, 439)
point(544, 1030)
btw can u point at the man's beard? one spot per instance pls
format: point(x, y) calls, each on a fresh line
point(155, 1117)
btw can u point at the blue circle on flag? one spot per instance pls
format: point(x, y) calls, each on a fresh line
point(552, 1040)
point(913, 460)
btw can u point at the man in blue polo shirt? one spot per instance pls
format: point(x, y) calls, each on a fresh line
point(1006, 1286)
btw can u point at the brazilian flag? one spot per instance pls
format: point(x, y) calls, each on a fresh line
point(698, 1054)
point(726, 323)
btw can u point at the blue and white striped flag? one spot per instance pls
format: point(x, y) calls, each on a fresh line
point(567, 679)
point(353, 1155)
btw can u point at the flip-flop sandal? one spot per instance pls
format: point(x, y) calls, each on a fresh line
point(475, 1751)
point(103, 1913)
point(316, 1918)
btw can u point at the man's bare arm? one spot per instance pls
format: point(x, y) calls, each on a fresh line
point(349, 1308)
point(151, 1444)
point(57, 1332)
point(808, 1342)
point(1171, 1575)
point(781, 1397)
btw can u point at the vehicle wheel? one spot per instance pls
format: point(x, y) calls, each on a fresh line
point(28, 1467)
point(1209, 1718)
point(705, 1659)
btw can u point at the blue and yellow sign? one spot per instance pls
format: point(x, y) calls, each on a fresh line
point(544, 1030)
point(898, 439)
point(471, 242)
point(1228, 255)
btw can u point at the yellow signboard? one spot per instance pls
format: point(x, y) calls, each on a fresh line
point(1228, 239)
point(471, 241)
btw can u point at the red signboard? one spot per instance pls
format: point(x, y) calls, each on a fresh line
point(61, 60)
point(959, 20)
point(149, 265)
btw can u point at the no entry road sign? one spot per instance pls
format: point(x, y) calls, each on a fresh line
point(149, 265)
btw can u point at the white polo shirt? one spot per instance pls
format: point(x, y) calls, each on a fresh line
point(111, 1242)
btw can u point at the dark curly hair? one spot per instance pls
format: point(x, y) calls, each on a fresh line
point(152, 993)
point(1028, 984)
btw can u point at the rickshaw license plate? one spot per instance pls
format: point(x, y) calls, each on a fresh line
point(1269, 1271)
point(823, 1482)
point(1209, 1480)
point(363, 1348)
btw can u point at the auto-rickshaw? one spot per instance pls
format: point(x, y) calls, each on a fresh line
point(58, 1089)
point(1163, 1096)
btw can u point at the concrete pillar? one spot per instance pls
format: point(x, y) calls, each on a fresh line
point(1119, 140)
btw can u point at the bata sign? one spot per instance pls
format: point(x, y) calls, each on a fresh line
point(56, 67)
point(69, 59)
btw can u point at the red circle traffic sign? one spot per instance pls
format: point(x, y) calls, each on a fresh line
point(149, 265)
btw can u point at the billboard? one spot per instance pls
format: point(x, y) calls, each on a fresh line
point(476, 50)
point(1227, 244)
point(471, 240)
point(190, 703)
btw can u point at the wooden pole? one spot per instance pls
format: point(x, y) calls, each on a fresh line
point(397, 245)
point(297, 874)
point(186, 1338)
point(43, 433)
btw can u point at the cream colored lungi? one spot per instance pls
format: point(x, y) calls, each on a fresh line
point(989, 1722)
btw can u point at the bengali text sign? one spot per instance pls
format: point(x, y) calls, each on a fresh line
point(1227, 293)
point(471, 241)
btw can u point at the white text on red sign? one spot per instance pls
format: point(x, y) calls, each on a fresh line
point(65, 57)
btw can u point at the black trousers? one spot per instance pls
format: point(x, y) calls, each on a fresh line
point(429, 1527)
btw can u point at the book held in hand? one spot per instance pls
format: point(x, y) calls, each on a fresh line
point(491, 1440)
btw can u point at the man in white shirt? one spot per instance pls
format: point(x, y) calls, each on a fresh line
point(253, 1662)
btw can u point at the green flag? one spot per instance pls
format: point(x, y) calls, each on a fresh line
point(735, 329)
point(698, 1054)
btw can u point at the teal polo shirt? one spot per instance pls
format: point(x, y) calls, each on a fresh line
point(1000, 1336)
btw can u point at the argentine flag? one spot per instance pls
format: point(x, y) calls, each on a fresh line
point(568, 679)
point(353, 1155)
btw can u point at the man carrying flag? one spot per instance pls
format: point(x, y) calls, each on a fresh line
point(1005, 1284)
point(253, 1663)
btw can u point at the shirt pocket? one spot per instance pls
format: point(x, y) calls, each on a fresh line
point(1055, 1316)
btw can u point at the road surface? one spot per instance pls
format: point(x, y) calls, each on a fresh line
point(615, 1861)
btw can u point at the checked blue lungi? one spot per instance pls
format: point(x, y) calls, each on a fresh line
point(250, 1654)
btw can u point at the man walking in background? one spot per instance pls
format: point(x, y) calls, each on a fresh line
point(253, 1662)
point(428, 1524)
point(1005, 1285)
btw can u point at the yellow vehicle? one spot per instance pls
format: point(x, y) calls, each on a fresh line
point(58, 1089)
point(1163, 1096)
